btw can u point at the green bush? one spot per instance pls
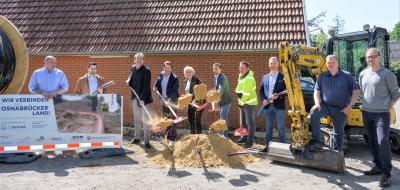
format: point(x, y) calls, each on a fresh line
point(395, 67)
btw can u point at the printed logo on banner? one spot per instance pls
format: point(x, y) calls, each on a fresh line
point(24, 140)
point(77, 138)
point(4, 138)
point(99, 138)
point(40, 139)
point(56, 139)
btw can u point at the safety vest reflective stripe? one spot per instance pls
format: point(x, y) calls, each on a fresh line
point(251, 101)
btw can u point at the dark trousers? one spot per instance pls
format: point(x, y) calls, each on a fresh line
point(377, 126)
point(194, 119)
point(249, 115)
point(171, 131)
point(339, 122)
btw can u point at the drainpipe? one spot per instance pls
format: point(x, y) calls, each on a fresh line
point(308, 35)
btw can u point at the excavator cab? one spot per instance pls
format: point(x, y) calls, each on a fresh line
point(350, 48)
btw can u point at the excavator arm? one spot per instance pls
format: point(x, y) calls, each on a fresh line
point(292, 58)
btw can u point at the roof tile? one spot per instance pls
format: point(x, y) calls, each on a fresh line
point(155, 25)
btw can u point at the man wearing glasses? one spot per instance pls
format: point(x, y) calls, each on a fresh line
point(380, 92)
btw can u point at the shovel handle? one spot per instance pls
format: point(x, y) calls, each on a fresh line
point(144, 107)
point(166, 104)
point(240, 118)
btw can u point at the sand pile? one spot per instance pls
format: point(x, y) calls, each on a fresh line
point(184, 100)
point(213, 96)
point(161, 124)
point(219, 125)
point(202, 150)
point(200, 91)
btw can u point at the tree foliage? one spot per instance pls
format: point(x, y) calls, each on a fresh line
point(338, 24)
point(395, 67)
point(395, 33)
point(314, 23)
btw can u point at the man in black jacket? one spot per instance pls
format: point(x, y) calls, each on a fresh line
point(274, 105)
point(140, 80)
point(222, 85)
point(167, 85)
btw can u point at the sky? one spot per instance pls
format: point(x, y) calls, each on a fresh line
point(356, 13)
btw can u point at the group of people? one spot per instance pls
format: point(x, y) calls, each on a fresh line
point(167, 85)
point(335, 94)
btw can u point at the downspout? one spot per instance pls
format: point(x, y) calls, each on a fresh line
point(308, 35)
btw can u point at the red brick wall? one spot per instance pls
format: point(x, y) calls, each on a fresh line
point(117, 69)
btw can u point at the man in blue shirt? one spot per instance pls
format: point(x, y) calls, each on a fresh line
point(167, 85)
point(48, 81)
point(335, 94)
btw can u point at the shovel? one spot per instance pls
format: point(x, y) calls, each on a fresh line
point(106, 85)
point(178, 119)
point(144, 107)
point(246, 151)
point(241, 131)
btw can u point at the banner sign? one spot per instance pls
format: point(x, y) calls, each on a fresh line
point(31, 123)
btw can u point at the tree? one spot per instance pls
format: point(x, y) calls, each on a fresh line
point(315, 22)
point(319, 39)
point(395, 33)
point(338, 26)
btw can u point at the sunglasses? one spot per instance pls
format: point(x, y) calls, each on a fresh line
point(372, 56)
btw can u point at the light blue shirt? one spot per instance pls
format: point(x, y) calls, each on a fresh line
point(45, 81)
point(164, 84)
point(271, 81)
point(92, 84)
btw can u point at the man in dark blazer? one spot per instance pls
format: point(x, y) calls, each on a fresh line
point(167, 85)
point(139, 80)
point(274, 104)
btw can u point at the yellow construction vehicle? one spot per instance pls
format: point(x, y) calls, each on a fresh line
point(292, 59)
point(349, 48)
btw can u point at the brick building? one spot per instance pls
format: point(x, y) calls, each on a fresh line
point(191, 32)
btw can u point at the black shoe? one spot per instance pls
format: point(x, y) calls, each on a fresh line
point(247, 145)
point(316, 146)
point(373, 171)
point(385, 181)
point(135, 141)
point(264, 150)
point(241, 140)
point(147, 145)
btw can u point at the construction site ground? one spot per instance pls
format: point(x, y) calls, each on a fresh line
point(136, 171)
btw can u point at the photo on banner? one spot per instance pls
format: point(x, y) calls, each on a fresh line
point(96, 114)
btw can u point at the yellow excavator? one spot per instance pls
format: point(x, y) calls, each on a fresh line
point(294, 59)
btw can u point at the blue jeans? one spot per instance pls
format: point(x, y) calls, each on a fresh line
point(339, 121)
point(249, 113)
point(377, 126)
point(279, 114)
point(224, 114)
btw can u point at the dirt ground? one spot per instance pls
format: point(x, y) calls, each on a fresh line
point(136, 171)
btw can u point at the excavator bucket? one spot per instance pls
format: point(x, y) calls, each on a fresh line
point(321, 159)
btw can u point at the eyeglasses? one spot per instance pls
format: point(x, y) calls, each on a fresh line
point(372, 56)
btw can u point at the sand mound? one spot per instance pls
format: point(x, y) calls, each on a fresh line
point(219, 126)
point(211, 151)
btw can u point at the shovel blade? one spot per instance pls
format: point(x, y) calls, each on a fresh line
point(179, 119)
point(241, 132)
